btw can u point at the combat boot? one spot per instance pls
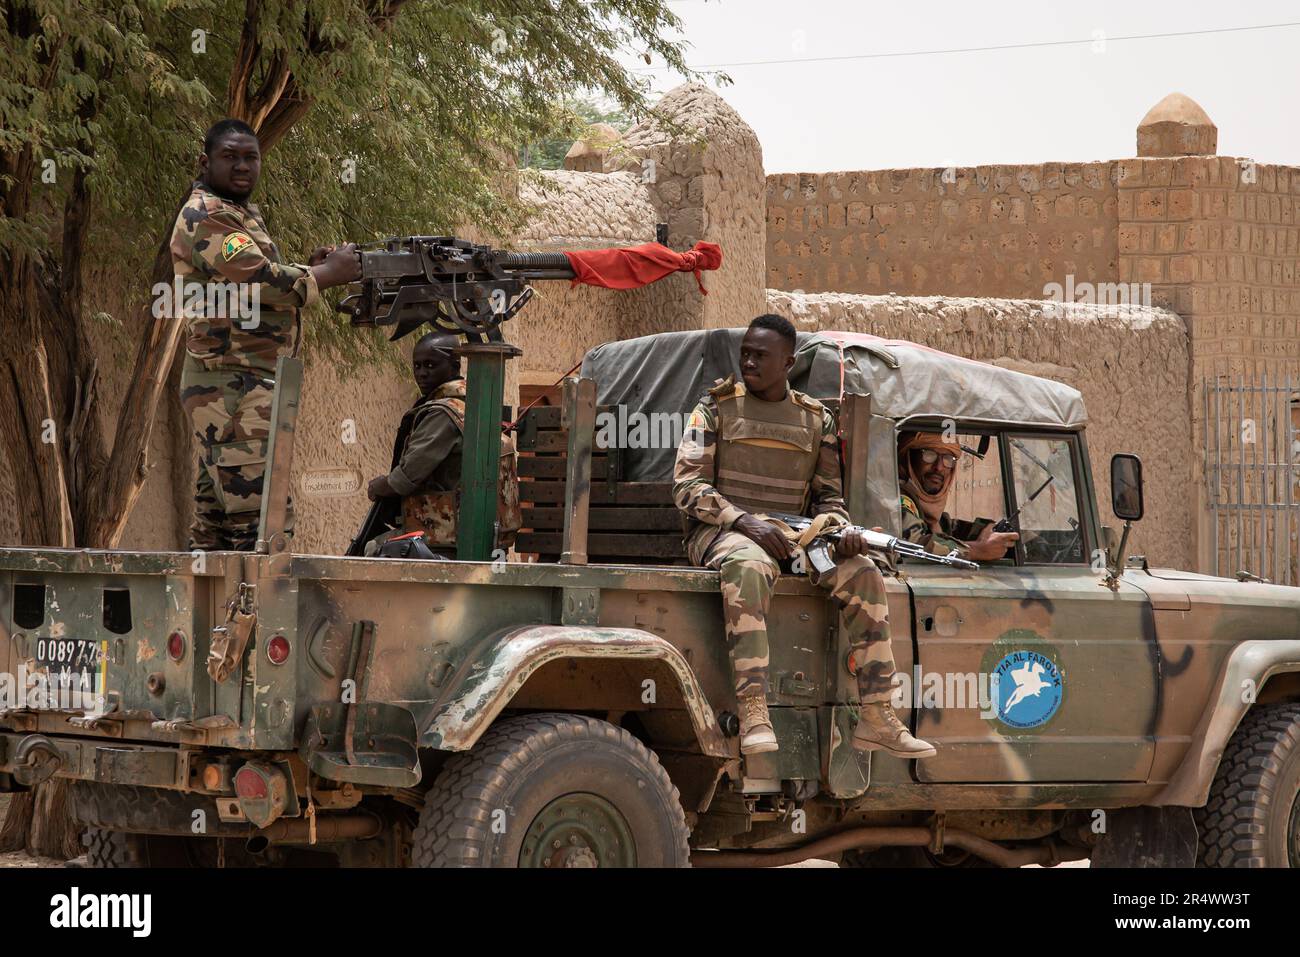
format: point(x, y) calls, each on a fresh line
point(879, 728)
point(756, 734)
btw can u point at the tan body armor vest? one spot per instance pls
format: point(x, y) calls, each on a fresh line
point(767, 451)
point(436, 514)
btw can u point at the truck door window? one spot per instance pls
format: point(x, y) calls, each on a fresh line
point(1043, 484)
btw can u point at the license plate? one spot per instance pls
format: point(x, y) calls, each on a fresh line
point(72, 661)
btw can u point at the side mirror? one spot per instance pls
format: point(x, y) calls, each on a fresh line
point(1126, 486)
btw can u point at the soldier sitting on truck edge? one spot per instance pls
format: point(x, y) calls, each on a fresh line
point(927, 465)
point(425, 471)
point(227, 378)
point(758, 448)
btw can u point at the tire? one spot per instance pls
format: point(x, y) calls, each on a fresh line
point(127, 807)
point(120, 849)
point(1252, 817)
point(537, 780)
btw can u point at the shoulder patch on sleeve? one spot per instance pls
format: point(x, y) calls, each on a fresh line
point(909, 505)
point(234, 244)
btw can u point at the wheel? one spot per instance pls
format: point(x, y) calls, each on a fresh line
point(1252, 817)
point(552, 790)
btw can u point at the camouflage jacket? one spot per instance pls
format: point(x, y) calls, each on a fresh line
point(427, 453)
point(240, 302)
point(707, 512)
point(916, 529)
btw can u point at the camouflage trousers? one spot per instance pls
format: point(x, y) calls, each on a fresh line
point(857, 589)
point(230, 412)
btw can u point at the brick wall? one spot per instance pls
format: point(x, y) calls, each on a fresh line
point(1218, 238)
point(1003, 231)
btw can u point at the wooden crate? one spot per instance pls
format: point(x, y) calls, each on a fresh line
point(627, 522)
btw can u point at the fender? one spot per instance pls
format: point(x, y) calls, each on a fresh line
point(502, 666)
point(1251, 660)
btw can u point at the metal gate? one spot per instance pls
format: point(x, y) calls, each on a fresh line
point(1252, 464)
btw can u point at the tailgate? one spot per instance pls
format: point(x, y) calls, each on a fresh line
point(110, 632)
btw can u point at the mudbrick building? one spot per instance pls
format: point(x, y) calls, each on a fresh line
point(1163, 286)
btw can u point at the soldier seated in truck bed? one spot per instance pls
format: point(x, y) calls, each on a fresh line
point(761, 447)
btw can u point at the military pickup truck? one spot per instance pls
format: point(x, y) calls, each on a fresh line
point(576, 711)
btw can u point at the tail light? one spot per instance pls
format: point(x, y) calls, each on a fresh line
point(176, 646)
point(277, 649)
point(263, 792)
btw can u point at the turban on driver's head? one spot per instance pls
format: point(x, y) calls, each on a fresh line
point(931, 505)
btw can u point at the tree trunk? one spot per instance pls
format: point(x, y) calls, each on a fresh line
point(79, 494)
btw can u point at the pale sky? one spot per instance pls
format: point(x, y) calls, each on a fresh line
point(1062, 102)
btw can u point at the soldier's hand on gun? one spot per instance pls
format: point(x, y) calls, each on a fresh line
point(765, 534)
point(379, 488)
point(852, 543)
point(991, 545)
point(340, 266)
point(318, 255)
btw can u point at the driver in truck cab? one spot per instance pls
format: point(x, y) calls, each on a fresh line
point(757, 447)
point(927, 465)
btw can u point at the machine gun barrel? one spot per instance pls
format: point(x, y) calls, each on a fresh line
point(536, 265)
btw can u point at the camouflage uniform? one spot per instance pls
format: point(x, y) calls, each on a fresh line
point(917, 529)
point(748, 572)
point(227, 379)
point(426, 470)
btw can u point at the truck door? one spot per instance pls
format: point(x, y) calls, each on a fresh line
point(1030, 669)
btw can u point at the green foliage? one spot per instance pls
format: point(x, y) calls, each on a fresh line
point(579, 115)
point(413, 127)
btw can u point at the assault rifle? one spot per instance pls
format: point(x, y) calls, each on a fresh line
point(453, 284)
point(819, 549)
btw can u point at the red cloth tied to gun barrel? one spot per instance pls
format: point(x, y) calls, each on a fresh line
point(634, 266)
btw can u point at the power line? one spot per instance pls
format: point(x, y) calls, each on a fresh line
point(984, 49)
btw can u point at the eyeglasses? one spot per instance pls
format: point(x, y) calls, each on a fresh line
point(930, 456)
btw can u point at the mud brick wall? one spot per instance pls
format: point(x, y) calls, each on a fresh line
point(1218, 238)
point(1003, 231)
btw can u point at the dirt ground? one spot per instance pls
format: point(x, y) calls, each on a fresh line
point(18, 858)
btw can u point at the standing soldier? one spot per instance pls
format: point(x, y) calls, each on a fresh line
point(425, 473)
point(759, 448)
point(240, 305)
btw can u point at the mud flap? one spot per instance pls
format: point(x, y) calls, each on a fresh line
point(383, 753)
point(848, 771)
point(1147, 837)
point(797, 759)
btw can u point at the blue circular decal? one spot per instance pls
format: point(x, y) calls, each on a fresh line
point(1028, 689)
